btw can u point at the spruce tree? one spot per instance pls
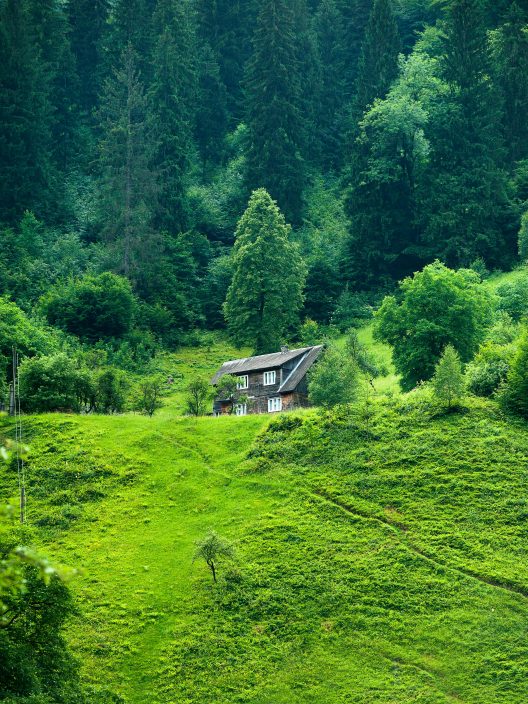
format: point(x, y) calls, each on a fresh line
point(88, 21)
point(274, 115)
point(448, 379)
point(27, 174)
point(131, 23)
point(510, 43)
point(378, 61)
point(127, 183)
point(329, 30)
point(173, 96)
point(464, 207)
point(265, 295)
point(212, 117)
point(356, 15)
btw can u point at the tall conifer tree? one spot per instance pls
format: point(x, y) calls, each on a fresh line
point(27, 174)
point(127, 184)
point(173, 96)
point(274, 116)
point(465, 212)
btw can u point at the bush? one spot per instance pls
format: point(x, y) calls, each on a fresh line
point(489, 369)
point(513, 297)
point(435, 308)
point(111, 391)
point(55, 383)
point(93, 308)
point(333, 380)
point(514, 394)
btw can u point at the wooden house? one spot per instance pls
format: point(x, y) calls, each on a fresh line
point(268, 383)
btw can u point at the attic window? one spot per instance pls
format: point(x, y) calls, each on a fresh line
point(274, 404)
point(269, 378)
point(243, 382)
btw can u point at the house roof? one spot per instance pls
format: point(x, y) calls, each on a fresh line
point(299, 371)
point(266, 361)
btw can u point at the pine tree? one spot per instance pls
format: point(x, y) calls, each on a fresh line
point(173, 96)
point(27, 174)
point(356, 15)
point(448, 379)
point(50, 25)
point(265, 295)
point(211, 118)
point(510, 44)
point(329, 29)
point(378, 61)
point(464, 207)
point(274, 116)
point(88, 21)
point(131, 23)
point(127, 184)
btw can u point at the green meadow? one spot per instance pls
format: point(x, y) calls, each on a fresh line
point(380, 555)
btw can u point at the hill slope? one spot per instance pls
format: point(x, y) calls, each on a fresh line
point(380, 559)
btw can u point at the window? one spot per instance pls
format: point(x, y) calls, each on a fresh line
point(274, 404)
point(269, 378)
point(241, 409)
point(243, 382)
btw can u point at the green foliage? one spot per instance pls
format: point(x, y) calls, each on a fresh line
point(514, 395)
point(435, 308)
point(523, 238)
point(310, 333)
point(448, 378)
point(55, 383)
point(513, 297)
point(93, 308)
point(198, 395)
point(352, 309)
point(150, 391)
point(274, 109)
point(111, 391)
point(211, 549)
point(333, 380)
point(265, 295)
point(489, 369)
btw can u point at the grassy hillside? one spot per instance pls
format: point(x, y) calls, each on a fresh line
point(379, 559)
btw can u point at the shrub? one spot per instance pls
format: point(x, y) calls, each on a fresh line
point(489, 369)
point(111, 391)
point(150, 390)
point(310, 333)
point(514, 394)
point(93, 308)
point(333, 380)
point(55, 383)
point(513, 297)
point(197, 397)
point(435, 308)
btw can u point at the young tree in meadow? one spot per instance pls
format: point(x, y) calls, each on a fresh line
point(274, 109)
point(266, 293)
point(211, 549)
point(197, 396)
point(333, 379)
point(523, 238)
point(448, 379)
point(434, 308)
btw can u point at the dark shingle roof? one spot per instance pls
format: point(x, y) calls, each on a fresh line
point(292, 381)
point(261, 362)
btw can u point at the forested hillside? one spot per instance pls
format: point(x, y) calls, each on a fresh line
point(133, 132)
point(187, 182)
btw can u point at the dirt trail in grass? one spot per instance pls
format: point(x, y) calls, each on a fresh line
point(496, 583)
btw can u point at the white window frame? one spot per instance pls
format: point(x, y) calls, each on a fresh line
point(270, 378)
point(241, 409)
point(275, 404)
point(243, 382)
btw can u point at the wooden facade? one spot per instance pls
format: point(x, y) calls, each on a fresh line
point(275, 382)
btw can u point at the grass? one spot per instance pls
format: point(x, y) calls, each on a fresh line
point(380, 560)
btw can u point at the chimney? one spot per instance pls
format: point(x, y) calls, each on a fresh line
point(284, 349)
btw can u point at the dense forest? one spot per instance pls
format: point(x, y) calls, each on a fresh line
point(133, 133)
